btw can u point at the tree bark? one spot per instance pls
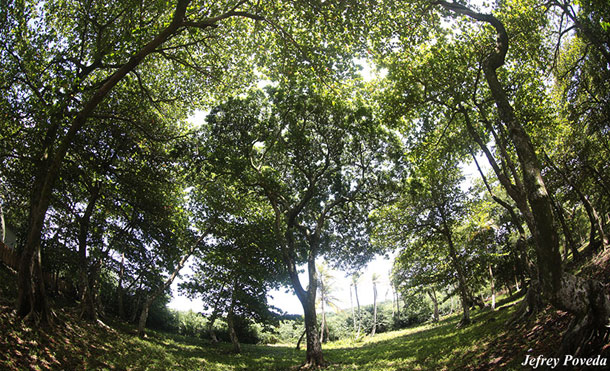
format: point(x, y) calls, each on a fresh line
point(374, 309)
point(87, 296)
point(586, 299)
point(351, 304)
point(313, 356)
point(432, 294)
point(594, 219)
point(231, 323)
point(460, 275)
point(213, 317)
point(300, 340)
point(493, 287)
point(358, 311)
point(323, 319)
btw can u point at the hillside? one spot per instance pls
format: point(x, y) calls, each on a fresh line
point(487, 344)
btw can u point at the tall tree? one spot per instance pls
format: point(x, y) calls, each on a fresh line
point(327, 298)
point(375, 281)
point(355, 281)
point(318, 160)
point(67, 59)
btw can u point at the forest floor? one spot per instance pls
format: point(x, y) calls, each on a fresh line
point(486, 344)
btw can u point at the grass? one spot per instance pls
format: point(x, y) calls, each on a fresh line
point(486, 344)
point(78, 346)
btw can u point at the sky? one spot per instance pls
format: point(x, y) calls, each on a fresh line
point(287, 301)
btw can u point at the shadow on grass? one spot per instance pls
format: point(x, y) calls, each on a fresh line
point(192, 353)
point(434, 347)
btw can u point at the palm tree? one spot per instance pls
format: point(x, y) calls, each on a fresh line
point(355, 280)
point(375, 279)
point(325, 282)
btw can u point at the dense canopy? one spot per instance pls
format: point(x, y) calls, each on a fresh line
point(110, 187)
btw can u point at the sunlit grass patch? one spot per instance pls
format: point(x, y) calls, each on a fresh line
point(78, 345)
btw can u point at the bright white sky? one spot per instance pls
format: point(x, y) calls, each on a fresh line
point(286, 300)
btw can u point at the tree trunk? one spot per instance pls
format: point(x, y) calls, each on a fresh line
point(323, 320)
point(570, 244)
point(493, 287)
point(231, 324)
point(313, 357)
point(144, 316)
point(393, 300)
point(374, 309)
point(32, 299)
point(2, 225)
point(88, 309)
point(432, 294)
point(134, 314)
point(358, 311)
point(594, 219)
point(586, 299)
point(210, 326)
point(398, 304)
point(120, 288)
point(351, 304)
point(166, 284)
point(300, 340)
point(460, 275)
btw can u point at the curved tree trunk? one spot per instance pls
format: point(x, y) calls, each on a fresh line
point(32, 298)
point(300, 340)
point(586, 299)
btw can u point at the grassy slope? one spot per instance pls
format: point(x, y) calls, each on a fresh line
point(487, 344)
point(88, 346)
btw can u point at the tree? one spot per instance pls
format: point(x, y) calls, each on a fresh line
point(375, 281)
point(426, 216)
point(317, 161)
point(239, 265)
point(355, 281)
point(67, 59)
point(325, 288)
point(592, 309)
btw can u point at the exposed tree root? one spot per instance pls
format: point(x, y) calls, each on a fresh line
point(530, 306)
point(314, 365)
point(464, 322)
point(584, 338)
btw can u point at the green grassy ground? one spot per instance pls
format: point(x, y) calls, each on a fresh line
point(86, 346)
